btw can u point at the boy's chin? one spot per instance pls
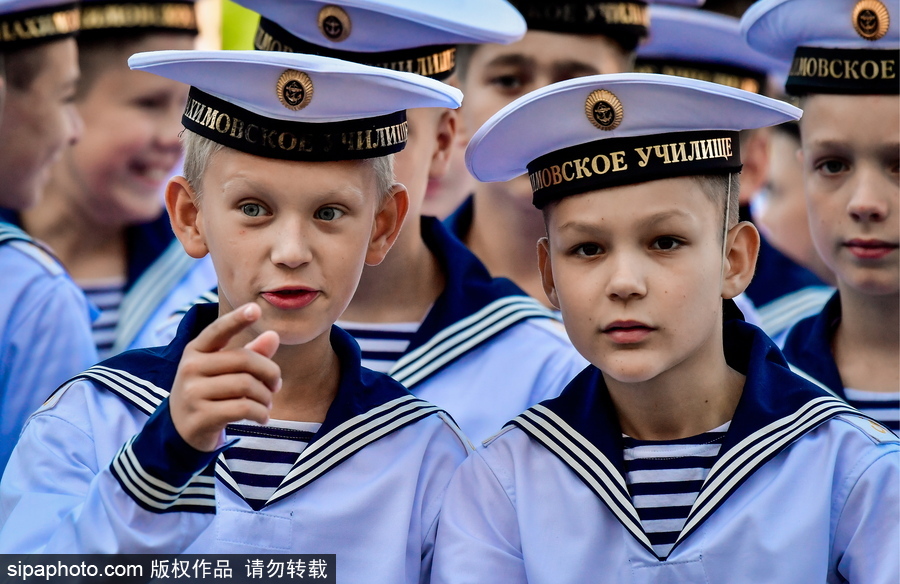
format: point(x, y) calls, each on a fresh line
point(630, 370)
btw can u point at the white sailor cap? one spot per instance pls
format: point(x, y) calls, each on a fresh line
point(296, 107)
point(837, 46)
point(604, 131)
point(404, 35)
point(128, 17)
point(25, 23)
point(704, 45)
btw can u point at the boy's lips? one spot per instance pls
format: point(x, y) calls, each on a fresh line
point(870, 249)
point(290, 298)
point(627, 331)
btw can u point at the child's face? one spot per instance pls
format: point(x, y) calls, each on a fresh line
point(499, 74)
point(637, 273)
point(851, 154)
point(130, 146)
point(37, 124)
point(781, 215)
point(290, 236)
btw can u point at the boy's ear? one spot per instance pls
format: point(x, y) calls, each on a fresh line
point(184, 214)
point(388, 221)
point(543, 251)
point(446, 137)
point(740, 258)
point(755, 159)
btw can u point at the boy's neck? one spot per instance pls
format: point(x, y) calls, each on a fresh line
point(310, 376)
point(504, 235)
point(59, 223)
point(696, 396)
point(867, 341)
point(403, 287)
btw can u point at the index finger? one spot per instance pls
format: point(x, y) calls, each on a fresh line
point(218, 334)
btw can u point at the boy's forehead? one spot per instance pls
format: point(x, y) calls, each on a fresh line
point(642, 204)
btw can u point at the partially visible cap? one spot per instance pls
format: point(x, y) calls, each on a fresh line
point(625, 21)
point(704, 45)
point(604, 131)
point(25, 23)
point(403, 35)
point(296, 107)
point(837, 46)
point(113, 17)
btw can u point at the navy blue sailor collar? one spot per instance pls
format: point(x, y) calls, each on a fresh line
point(367, 407)
point(777, 275)
point(808, 347)
point(776, 408)
point(473, 308)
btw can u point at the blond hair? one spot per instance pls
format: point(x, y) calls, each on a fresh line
point(198, 152)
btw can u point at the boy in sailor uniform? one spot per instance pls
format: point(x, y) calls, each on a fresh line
point(703, 45)
point(430, 315)
point(45, 332)
point(845, 72)
point(687, 451)
point(256, 429)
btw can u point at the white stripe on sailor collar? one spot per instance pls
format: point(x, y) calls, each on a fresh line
point(727, 474)
point(464, 335)
point(317, 459)
point(340, 443)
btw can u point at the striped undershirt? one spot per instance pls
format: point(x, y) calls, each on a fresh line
point(664, 478)
point(106, 294)
point(382, 344)
point(264, 455)
point(882, 406)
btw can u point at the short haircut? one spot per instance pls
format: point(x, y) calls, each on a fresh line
point(714, 186)
point(22, 66)
point(198, 151)
point(98, 52)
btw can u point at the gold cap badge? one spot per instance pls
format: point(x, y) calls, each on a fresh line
point(334, 23)
point(294, 89)
point(871, 19)
point(603, 109)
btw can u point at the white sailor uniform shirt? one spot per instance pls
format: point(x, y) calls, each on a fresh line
point(804, 490)
point(45, 331)
point(807, 349)
point(101, 469)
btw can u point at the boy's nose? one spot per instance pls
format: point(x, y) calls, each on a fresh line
point(625, 281)
point(871, 199)
point(291, 248)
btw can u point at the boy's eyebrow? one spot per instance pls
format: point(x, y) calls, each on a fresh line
point(513, 60)
point(659, 217)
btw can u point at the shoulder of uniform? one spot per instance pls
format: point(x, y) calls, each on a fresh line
point(872, 429)
point(40, 254)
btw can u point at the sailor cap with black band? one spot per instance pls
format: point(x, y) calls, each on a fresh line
point(704, 45)
point(846, 47)
point(414, 37)
point(296, 107)
point(605, 131)
point(128, 17)
point(25, 23)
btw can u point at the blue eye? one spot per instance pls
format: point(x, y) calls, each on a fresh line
point(328, 214)
point(252, 209)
